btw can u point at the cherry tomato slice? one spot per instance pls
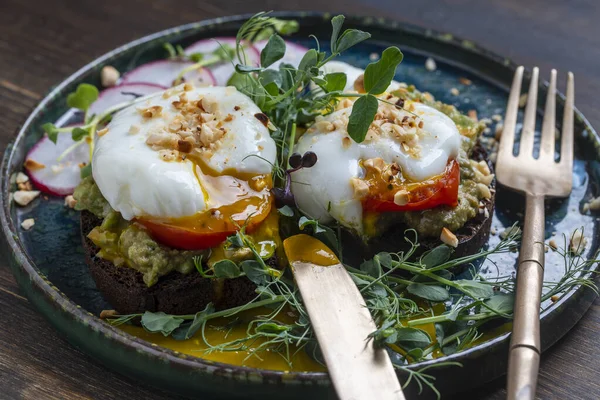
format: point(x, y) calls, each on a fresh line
point(422, 196)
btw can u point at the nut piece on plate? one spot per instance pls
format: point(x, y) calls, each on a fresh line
point(70, 201)
point(449, 238)
point(24, 197)
point(109, 76)
point(577, 243)
point(28, 224)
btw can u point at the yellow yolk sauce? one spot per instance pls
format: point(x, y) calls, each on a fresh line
point(307, 249)
point(224, 330)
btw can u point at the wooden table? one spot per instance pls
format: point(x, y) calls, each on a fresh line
point(42, 42)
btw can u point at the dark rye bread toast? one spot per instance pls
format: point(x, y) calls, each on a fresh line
point(174, 293)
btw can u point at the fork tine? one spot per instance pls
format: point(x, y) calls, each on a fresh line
point(549, 124)
point(566, 145)
point(510, 119)
point(528, 132)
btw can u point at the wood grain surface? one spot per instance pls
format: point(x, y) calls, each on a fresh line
point(43, 41)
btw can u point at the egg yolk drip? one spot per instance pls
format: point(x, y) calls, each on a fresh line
point(235, 199)
point(384, 188)
point(305, 248)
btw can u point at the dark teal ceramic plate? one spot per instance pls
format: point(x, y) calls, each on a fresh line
point(49, 265)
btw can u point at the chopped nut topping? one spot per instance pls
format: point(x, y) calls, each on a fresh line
point(465, 81)
point(25, 186)
point(228, 118)
point(24, 197)
point(496, 117)
point(472, 114)
point(184, 146)
point(401, 198)
point(359, 84)
point(484, 191)
point(324, 126)
point(449, 238)
point(21, 178)
point(553, 245)
point(109, 76)
point(28, 224)
point(70, 201)
point(188, 87)
point(102, 132)
point(236, 108)
point(360, 187)
point(168, 155)
point(33, 165)
point(346, 142)
point(150, 112)
point(133, 129)
point(430, 64)
point(577, 243)
point(376, 164)
point(454, 92)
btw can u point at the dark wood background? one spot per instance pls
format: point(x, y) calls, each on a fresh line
point(42, 42)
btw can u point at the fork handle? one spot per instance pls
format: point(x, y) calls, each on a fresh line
point(524, 357)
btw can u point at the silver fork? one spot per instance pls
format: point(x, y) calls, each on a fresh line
point(536, 178)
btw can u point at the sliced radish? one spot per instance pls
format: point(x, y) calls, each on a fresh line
point(122, 93)
point(164, 73)
point(47, 173)
point(293, 53)
point(223, 71)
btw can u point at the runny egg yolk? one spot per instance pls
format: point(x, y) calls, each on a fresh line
point(235, 200)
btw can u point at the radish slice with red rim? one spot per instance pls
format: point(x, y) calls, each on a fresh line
point(223, 70)
point(50, 175)
point(164, 73)
point(293, 53)
point(121, 94)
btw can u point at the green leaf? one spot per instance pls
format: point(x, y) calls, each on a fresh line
point(336, 23)
point(255, 272)
point(358, 281)
point(272, 327)
point(411, 338)
point(226, 269)
point(224, 52)
point(429, 292)
point(477, 290)
point(336, 81)
point(363, 113)
point(321, 232)
point(385, 259)
point(160, 322)
point(196, 57)
point(51, 130)
point(285, 27)
point(83, 97)
point(287, 72)
point(371, 268)
point(502, 303)
point(379, 74)
point(271, 80)
point(273, 51)
point(86, 171)
point(436, 256)
point(286, 211)
point(187, 330)
point(170, 49)
point(77, 134)
point(309, 60)
point(349, 38)
point(246, 69)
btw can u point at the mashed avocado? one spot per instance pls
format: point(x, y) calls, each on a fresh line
point(128, 244)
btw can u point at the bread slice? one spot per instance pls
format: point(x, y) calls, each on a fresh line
point(174, 293)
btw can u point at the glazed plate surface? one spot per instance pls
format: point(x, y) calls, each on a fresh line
point(48, 261)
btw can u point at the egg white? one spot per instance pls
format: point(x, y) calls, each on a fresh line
point(138, 183)
point(324, 191)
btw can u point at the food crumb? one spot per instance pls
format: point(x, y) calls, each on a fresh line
point(374, 57)
point(554, 298)
point(430, 64)
point(473, 115)
point(21, 178)
point(24, 197)
point(109, 76)
point(523, 100)
point(449, 238)
point(465, 81)
point(553, 245)
point(497, 117)
point(70, 201)
point(108, 313)
point(593, 204)
point(577, 243)
point(28, 224)
point(454, 91)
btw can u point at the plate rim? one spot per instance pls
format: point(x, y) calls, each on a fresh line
point(81, 316)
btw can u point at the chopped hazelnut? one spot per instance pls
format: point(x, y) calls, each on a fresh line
point(151, 112)
point(594, 204)
point(21, 178)
point(449, 238)
point(33, 165)
point(360, 187)
point(346, 142)
point(109, 76)
point(70, 201)
point(430, 64)
point(375, 163)
point(577, 243)
point(24, 197)
point(25, 186)
point(188, 87)
point(552, 244)
point(28, 224)
point(184, 146)
point(359, 84)
point(465, 81)
point(401, 198)
point(133, 129)
point(454, 92)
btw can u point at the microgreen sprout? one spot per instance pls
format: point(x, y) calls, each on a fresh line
point(283, 195)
